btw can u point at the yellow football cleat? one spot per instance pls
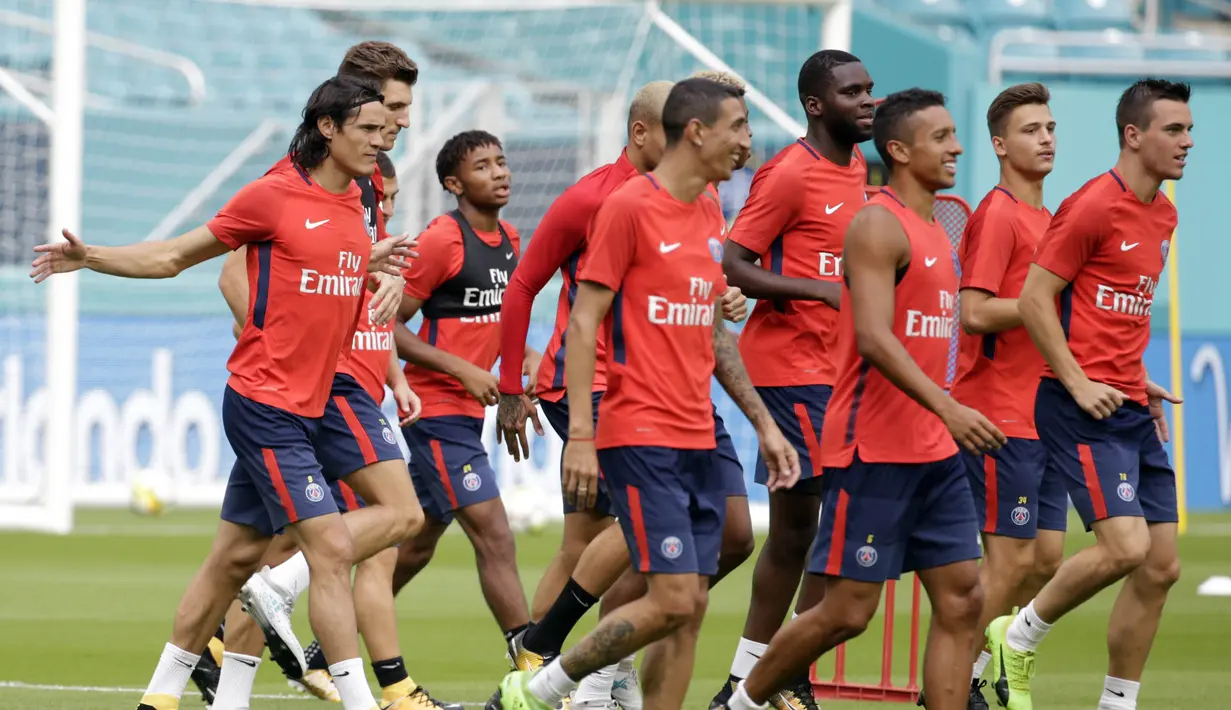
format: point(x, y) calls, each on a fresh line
point(317, 683)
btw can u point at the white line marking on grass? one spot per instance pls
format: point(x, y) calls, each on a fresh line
point(19, 685)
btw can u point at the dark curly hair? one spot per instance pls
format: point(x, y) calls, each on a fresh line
point(457, 148)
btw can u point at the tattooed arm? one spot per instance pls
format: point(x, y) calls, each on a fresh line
point(780, 457)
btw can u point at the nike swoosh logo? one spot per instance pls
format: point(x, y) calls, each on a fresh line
point(389, 666)
point(341, 675)
point(1116, 693)
point(928, 261)
point(309, 224)
point(250, 664)
point(508, 256)
point(668, 248)
point(579, 601)
point(750, 653)
point(1125, 246)
point(186, 665)
point(1028, 622)
point(835, 208)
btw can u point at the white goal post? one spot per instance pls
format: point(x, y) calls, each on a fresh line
point(68, 433)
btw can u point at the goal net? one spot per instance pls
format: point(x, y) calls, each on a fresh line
point(187, 100)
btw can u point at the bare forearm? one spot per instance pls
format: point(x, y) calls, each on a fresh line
point(992, 315)
point(579, 361)
point(885, 352)
point(144, 260)
point(1042, 322)
point(763, 284)
point(731, 374)
point(412, 349)
point(394, 376)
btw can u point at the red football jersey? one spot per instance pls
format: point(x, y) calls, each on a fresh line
point(796, 216)
point(663, 258)
point(1111, 247)
point(307, 275)
point(998, 373)
point(476, 340)
point(867, 413)
point(558, 243)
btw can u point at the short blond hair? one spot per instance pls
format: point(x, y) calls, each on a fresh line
point(725, 78)
point(647, 104)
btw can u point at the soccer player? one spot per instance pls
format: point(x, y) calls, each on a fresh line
point(457, 284)
point(372, 350)
point(652, 275)
point(308, 297)
point(1086, 304)
point(894, 503)
point(1022, 507)
point(793, 222)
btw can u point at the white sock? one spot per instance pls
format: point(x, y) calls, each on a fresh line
point(627, 665)
point(291, 577)
point(596, 687)
point(235, 682)
point(981, 664)
point(1119, 694)
point(175, 667)
point(552, 684)
point(740, 700)
point(352, 684)
point(746, 656)
point(1027, 630)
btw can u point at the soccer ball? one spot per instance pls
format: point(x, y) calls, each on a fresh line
point(524, 506)
point(146, 499)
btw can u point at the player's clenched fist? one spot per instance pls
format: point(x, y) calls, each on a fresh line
point(1097, 399)
point(780, 458)
point(580, 477)
point(971, 430)
point(481, 384)
point(734, 305)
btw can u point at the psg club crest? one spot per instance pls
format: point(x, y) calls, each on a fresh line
point(1020, 515)
point(1126, 492)
point(672, 547)
point(314, 492)
point(716, 249)
point(471, 482)
point(866, 556)
point(387, 435)
point(1166, 248)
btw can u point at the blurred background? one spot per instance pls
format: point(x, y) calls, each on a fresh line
point(166, 107)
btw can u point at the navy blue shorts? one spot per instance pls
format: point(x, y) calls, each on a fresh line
point(557, 416)
point(671, 504)
point(1014, 494)
point(799, 412)
point(1113, 467)
point(449, 465)
point(728, 461)
point(277, 479)
point(348, 501)
point(879, 520)
point(354, 432)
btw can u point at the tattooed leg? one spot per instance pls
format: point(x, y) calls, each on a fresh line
point(668, 665)
point(670, 604)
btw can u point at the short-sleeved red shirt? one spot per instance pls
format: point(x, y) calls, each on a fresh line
point(663, 258)
point(998, 373)
point(307, 275)
point(795, 218)
point(476, 340)
point(1111, 247)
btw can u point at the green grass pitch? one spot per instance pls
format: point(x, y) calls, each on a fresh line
point(85, 617)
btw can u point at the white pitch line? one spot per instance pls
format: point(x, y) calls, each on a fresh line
point(19, 685)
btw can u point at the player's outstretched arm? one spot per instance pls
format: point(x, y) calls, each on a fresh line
point(740, 266)
point(233, 282)
point(144, 260)
point(876, 247)
point(580, 476)
point(1037, 305)
point(984, 313)
point(780, 457)
point(410, 347)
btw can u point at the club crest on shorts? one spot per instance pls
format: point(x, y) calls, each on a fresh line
point(1020, 515)
point(716, 249)
point(314, 492)
point(471, 481)
point(866, 556)
point(387, 435)
point(1126, 492)
point(672, 547)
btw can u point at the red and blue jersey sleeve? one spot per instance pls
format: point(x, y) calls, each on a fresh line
point(252, 215)
point(1074, 235)
point(612, 244)
point(986, 247)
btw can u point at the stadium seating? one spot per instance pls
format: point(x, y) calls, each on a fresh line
point(1093, 14)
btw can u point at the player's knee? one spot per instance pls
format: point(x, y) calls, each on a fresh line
point(847, 614)
point(961, 603)
point(413, 555)
point(236, 563)
point(676, 604)
point(786, 548)
point(736, 548)
point(1162, 574)
point(331, 555)
point(410, 519)
point(1045, 566)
